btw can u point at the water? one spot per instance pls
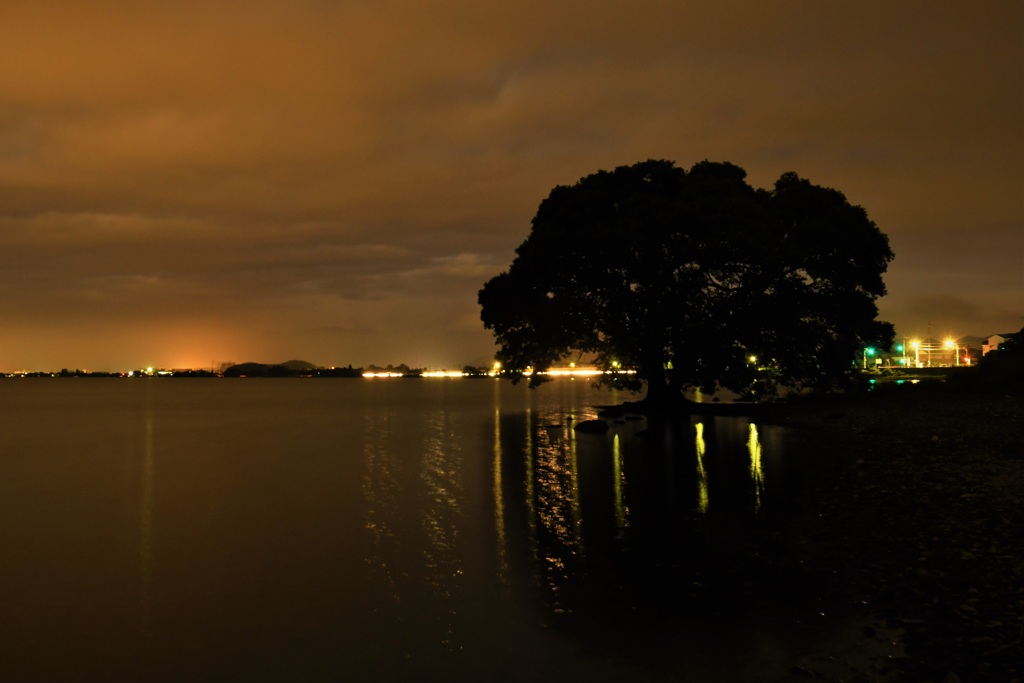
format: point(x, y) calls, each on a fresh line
point(320, 530)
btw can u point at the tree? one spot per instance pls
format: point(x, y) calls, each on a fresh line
point(695, 279)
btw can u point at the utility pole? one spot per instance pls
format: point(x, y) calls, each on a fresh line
point(929, 342)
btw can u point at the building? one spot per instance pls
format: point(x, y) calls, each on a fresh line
point(995, 342)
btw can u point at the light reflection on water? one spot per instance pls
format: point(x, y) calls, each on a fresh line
point(619, 480)
point(442, 478)
point(499, 504)
point(756, 470)
point(703, 498)
point(686, 482)
point(381, 491)
point(294, 530)
point(146, 530)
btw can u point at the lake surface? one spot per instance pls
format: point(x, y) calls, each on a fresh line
point(381, 530)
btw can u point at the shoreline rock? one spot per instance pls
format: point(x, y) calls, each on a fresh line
point(925, 523)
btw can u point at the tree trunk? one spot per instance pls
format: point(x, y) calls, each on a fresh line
point(657, 391)
point(664, 395)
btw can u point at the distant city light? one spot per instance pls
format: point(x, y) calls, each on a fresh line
point(570, 371)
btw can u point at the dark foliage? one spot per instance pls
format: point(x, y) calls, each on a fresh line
point(687, 276)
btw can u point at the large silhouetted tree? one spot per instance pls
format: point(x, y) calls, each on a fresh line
point(695, 279)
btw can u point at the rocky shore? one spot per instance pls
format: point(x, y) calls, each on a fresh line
point(924, 526)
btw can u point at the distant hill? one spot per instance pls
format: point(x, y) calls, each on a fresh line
point(253, 369)
point(298, 365)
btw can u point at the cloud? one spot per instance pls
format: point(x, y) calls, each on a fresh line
point(293, 166)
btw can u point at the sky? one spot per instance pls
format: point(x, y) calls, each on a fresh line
point(190, 183)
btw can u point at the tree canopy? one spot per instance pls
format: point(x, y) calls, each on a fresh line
point(695, 279)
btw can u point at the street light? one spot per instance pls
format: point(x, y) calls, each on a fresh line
point(950, 344)
point(868, 351)
point(917, 353)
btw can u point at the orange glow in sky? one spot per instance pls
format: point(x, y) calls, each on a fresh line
point(190, 182)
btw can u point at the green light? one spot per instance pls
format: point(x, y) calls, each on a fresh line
point(899, 347)
point(870, 350)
